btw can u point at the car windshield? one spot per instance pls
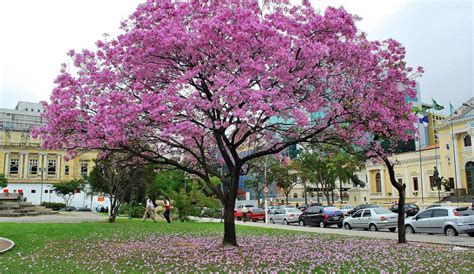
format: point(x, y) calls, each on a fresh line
point(331, 209)
point(382, 211)
point(258, 210)
point(411, 206)
point(293, 210)
point(464, 211)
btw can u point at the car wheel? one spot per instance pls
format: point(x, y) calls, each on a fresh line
point(450, 231)
point(392, 229)
point(285, 222)
point(322, 224)
point(471, 234)
point(339, 225)
point(373, 227)
point(347, 226)
point(302, 223)
point(409, 229)
point(272, 221)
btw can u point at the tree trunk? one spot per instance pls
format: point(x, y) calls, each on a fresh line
point(401, 217)
point(401, 202)
point(332, 196)
point(286, 197)
point(230, 194)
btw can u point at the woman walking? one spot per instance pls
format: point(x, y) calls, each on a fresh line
point(149, 209)
point(167, 204)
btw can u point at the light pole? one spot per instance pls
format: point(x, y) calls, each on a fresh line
point(42, 169)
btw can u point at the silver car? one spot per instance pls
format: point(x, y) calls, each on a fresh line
point(447, 220)
point(285, 216)
point(373, 219)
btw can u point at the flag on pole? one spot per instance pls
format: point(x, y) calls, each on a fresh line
point(420, 109)
point(451, 108)
point(423, 119)
point(437, 106)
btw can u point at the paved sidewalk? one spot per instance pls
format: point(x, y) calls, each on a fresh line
point(62, 217)
point(462, 240)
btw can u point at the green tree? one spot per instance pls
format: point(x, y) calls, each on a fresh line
point(68, 189)
point(3, 181)
point(118, 177)
point(286, 177)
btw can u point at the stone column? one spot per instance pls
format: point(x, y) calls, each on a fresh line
point(20, 166)
point(382, 181)
point(27, 166)
point(457, 163)
point(7, 164)
point(407, 183)
point(58, 166)
point(369, 181)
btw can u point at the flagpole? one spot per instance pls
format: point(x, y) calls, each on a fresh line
point(436, 152)
point(454, 153)
point(421, 167)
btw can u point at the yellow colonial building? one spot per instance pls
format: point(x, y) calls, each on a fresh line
point(450, 150)
point(27, 166)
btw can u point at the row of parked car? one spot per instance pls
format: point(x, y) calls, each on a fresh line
point(435, 219)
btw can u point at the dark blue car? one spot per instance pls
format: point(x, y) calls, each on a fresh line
point(322, 216)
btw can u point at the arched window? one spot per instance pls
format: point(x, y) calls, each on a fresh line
point(467, 141)
point(378, 182)
point(295, 195)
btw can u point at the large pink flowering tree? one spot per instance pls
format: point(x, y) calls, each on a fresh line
point(207, 87)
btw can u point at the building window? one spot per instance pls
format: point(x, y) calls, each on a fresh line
point(378, 182)
point(467, 141)
point(33, 166)
point(415, 183)
point(432, 182)
point(14, 166)
point(51, 167)
point(33, 191)
point(46, 191)
point(66, 170)
point(83, 168)
point(295, 195)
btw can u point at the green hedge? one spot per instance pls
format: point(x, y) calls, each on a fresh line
point(53, 206)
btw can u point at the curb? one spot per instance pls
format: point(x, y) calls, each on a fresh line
point(12, 245)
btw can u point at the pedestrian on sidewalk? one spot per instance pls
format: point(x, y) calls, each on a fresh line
point(245, 210)
point(167, 205)
point(149, 210)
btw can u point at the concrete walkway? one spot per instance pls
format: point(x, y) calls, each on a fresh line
point(462, 240)
point(62, 217)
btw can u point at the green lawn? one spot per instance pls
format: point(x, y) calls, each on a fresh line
point(139, 247)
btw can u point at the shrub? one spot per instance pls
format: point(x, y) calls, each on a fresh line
point(53, 206)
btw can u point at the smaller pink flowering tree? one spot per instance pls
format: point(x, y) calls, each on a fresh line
point(207, 87)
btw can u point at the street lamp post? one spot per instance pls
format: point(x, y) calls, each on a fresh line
point(42, 169)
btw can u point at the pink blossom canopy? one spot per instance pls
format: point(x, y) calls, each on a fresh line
point(201, 81)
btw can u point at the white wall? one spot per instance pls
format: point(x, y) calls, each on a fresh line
point(79, 200)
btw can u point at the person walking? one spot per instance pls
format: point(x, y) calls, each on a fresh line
point(245, 210)
point(167, 204)
point(149, 210)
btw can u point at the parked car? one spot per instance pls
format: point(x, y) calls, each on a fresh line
point(449, 220)
point(321, 216)
point(85, 209)
point(374, 218)
point(435, 205)
point(285, 216)
point(345, 209)
point(410, 209)
point(254, 214)
point(302, 208)
point(357, 208)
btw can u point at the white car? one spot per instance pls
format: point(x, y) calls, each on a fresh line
point(373, 219)
point(285, 216)
point(448, 220)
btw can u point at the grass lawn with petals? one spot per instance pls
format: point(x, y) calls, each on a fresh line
point(136, 246)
